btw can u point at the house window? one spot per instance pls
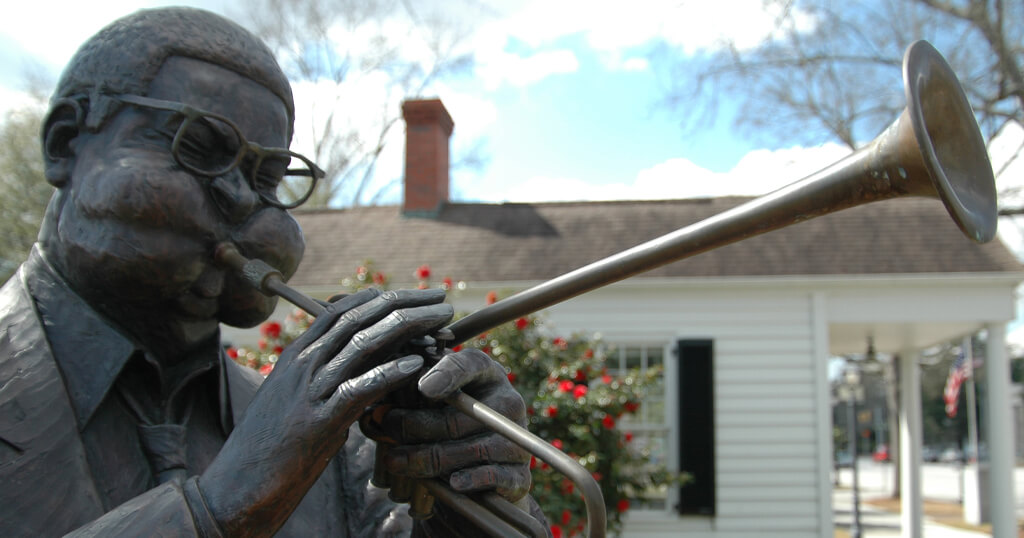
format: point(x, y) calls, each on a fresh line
point(649, 426)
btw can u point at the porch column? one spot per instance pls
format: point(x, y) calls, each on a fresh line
point(910, 444)
point(999, 428)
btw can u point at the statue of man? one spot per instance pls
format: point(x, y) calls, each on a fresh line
point(119, 413)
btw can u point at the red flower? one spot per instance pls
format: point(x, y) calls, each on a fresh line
point(457, 348)
point(579, 392)
point(271, 329)
point(608, 422)
point(566, 517)
point(623, 505)
point(533, 462)
point(266, 369)
point(379, 278)
point(511, 377)
point(606, 379)
point(361, 270)
point(588, 354)
point(597, 476)
point(552, 411)
point(580, 375)
point(556, 531)
point(232, 352)
point(262, 344)
point(557, 443)
point(629, 437)
point(486, 349)
point(522, 323)
point(446, 283)
point(423, 272)
point(631, 406)
point(492, 297)
point(566, 386)
point(560, 343)
point(278, 349)
point(530, 411)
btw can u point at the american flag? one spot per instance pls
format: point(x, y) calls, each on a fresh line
point(959, 371)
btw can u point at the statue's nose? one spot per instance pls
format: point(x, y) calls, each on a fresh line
point(233, 196)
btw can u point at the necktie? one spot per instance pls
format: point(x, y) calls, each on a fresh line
point(161, 426)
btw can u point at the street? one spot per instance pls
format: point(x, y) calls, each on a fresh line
point(939, 481)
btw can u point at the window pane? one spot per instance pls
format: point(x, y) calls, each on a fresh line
point(634, 357)
point(654, 410)
point(655, 358)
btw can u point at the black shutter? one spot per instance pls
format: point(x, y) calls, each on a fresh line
point(697, 426)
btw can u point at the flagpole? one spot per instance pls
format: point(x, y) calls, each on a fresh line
point(972, 412)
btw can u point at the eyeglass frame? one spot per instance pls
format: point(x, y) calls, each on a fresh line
point(191, 113)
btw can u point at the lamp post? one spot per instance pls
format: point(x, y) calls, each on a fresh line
point(852, 391)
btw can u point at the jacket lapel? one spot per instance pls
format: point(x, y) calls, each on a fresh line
point(45, 475)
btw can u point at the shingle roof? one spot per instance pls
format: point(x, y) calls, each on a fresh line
point(517, 242)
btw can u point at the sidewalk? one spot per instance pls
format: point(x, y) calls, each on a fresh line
point(876, 523)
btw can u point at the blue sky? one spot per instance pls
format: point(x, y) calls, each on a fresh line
point(562, 98)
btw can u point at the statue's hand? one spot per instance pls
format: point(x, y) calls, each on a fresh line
point(299, 418)
point(443, 442)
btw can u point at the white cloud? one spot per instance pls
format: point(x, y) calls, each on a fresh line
point(1007, 154)
point(498, 67)
point(759, 172)
point(615, 28)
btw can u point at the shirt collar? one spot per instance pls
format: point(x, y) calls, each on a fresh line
point(90, 350)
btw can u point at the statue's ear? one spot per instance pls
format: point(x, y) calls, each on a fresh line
point(61, 127)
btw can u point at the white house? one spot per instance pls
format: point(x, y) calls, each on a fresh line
point(744, 332)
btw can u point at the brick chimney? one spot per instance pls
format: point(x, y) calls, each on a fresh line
point(427, 129)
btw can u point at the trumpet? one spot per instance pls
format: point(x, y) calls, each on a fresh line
point(933, 149)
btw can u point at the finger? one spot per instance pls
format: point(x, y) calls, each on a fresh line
point(415, 426)
point(389, 333)
point(355, 394)
point(369, 312)
point(305, 341)
point(437, 459)
point(460, 369)
point(325, 321)
point(510, 481)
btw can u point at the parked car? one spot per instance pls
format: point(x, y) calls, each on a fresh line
point(881, 453)
point(930, 454)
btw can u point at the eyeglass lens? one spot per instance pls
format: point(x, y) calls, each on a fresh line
point(213, 147)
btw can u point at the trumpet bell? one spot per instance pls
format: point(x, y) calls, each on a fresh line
point(949, 141)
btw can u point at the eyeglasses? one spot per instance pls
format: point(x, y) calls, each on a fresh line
point(211, 145)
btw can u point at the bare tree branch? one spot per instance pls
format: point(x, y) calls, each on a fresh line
point(395, 47)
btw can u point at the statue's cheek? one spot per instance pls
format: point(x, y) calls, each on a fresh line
point(145, 188)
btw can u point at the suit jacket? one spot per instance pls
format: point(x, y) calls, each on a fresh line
point(46, 484)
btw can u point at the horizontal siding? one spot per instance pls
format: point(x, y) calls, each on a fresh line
point(778, 522)
point(765, 391)
point(761, 453)
point(765, 412)
point(778, 463)
point(761, 509)
point(763, 406)
point(766, 476)
point(766, 434)
point(750, 495)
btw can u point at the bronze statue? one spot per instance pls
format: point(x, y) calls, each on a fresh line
point(119, 413)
